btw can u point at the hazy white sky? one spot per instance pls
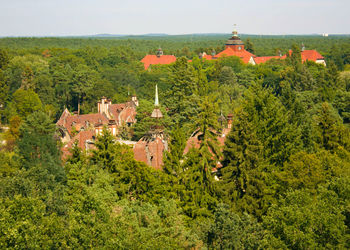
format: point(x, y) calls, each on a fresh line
point(87, 17)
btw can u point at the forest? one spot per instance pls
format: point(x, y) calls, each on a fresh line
point(285, 176)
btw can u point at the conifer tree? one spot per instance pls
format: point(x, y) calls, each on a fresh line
point(174, 156)
point(260, 141)
point(40, 158)
point(200, 192)
point(38, 147)
point(180, 98)
point(330, 132)
point(109, 154)
point(243, 167)
point(280, 138)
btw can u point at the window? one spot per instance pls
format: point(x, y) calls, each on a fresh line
point(239, 48)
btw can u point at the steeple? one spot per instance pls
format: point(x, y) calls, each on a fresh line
point(156, 102)
point(234, 32)
point(156, 111)
point(302, 47)
point(235, 42)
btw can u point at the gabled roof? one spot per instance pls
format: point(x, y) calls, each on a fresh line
point(243, 54)
point(306, 55)
point(311, 55)
point(153, 59)
point(263, 59)
point(63, 118)
point(79, 121)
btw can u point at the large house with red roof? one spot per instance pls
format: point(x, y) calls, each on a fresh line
point(84, 128)
point(159, 58)
point(234, 46)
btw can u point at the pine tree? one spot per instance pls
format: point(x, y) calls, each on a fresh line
point(37, 145)
point(180, 99)
point(110, 154)
point(40, 158)
point(174, 156)
point(330, 132)
point(243, 167)
point(200, 192)
point(280, 138)
point(260, 141)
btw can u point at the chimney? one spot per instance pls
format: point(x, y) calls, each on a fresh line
point(229, 121)
point(103, 106)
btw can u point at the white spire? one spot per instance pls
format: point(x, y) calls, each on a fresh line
point(156, 102)
point(234, 32)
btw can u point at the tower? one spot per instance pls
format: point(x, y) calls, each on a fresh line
point(151, 146)
point(235, 42)
point(156, 111)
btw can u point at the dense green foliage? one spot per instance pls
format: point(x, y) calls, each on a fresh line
point(284, 177)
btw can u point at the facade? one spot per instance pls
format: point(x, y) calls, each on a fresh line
point(84, 128)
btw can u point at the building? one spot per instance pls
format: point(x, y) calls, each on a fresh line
point(150, 148)
point(159, 58)
point(84, 128)
point(235, 47)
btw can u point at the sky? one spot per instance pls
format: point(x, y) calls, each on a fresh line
point(89, 17)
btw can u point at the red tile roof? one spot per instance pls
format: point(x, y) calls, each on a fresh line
point(208, 57)
point(62, 120)
point(79, 121)
point(306, 55)
point(311, 55)
point(127, 115)
point(243, 54)
point(263, 59)
point(81, 137)
point(153, 59)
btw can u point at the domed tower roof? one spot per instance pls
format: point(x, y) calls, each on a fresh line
point(159, 52)
point(234, 40)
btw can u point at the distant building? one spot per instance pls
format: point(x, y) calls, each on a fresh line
point(159, 58)
point(84, 128)
point(235, 47)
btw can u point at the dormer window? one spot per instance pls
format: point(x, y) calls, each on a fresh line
point(239, 47)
